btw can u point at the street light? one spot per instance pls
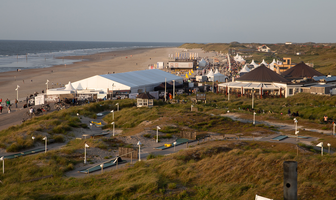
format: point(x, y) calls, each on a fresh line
point(47, 83)
point(33, 139)
point(297, 135)
point(3, 164)
point(17, 92)
point(329, 147)
point(45, 146)
point(117, 104)
point(157, 134)
point(174, 145)
point(102, 167)
point(112, 111)
point(139, 143)
point(295, 121)
point(254, 113)
point(252, 98)
point(91, 126)
point(320, 145)
point(86, 145)
point(113, 128)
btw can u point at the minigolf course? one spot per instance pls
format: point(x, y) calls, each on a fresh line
point(25, 153)
point(107, 164)
point(170, 145)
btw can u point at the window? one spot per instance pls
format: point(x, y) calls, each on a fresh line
point(290, 91)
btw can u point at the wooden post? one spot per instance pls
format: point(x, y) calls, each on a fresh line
point(290, 180)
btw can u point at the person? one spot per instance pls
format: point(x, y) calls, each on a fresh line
point(325, 118)
point(31, 111)
point(289, 112)
point(0, 100)
point(16, 102)
point(7, 102)
point(297, 113)
point(9, 109)
point(0, 108)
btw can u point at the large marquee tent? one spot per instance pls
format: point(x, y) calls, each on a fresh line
point(134, 81)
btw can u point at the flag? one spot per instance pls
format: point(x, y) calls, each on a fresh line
point(86, 145)
point(189, 73)
point(187, 76)
point(320, 144)
point(192, 71)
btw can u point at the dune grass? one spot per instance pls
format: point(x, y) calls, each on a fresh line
point(216, 170)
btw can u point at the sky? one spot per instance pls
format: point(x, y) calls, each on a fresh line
point(192, 21)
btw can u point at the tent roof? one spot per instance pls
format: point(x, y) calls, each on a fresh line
point(143, 77)
point(301, 70)
point(250, 85)
point(263, 62)
point(245, 69)
point(145, 96)
point(210, 73)
point(262, 74)
point(69, 87)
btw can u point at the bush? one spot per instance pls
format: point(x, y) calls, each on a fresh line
point(58, 138)
point(150, 156)
point(171, 185)
point(147, 135)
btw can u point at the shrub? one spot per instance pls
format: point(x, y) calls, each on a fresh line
point(58, 138)
point(171, 185)
point(147, 135)
point(150, 156)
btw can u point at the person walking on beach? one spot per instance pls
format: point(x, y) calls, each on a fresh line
point(7, 102)
point(8, 109)
point(0, 108)
point(1, 101)
point(16, 102)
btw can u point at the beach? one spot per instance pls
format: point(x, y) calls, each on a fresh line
point(34, 80)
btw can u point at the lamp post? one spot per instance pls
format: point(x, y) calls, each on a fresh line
point(329, 147)
point(157, 134)
point(174, 145)
point(320, 145)
point(252, 98)
point(17, 92)
point(33, 139)
point(173, 89)
point(102, 167)
point(47, 83)
point(86, 145)
point(113, 128)
point(112, 111)
point(45, 146)
point(254, 113)
point(139, 144)
point(117, 104)
point(297, 135)
point(3, 164)
point(295, 121)
point(78, 115)
point(91, 126)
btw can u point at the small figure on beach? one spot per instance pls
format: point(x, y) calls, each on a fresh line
point(16, 102)
point(9, 109)
point(0, 108)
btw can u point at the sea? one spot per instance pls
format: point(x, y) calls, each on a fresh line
point(28, 54)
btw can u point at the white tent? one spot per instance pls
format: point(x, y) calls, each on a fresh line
point(244, 70)
point(255, 65)
point(238, 58)
point(133, 82)
point(264, 63)
point(68, 89)
point(271, 65)
point(219, 77)
point(202, 63)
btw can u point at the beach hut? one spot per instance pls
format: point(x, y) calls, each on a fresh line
point(145, 100)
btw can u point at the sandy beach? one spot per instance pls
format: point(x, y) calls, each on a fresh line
point(33, 80)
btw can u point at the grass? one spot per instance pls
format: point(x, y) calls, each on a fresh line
point(211, 170)
point(219, 170)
